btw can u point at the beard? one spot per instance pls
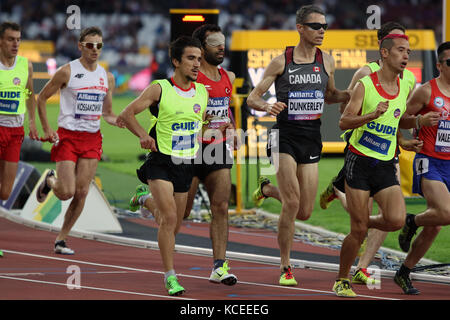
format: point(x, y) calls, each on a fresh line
point(212, 59)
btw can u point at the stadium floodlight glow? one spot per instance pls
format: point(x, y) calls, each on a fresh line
point(193, 18)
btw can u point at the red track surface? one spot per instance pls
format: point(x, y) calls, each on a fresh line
point(30, 270)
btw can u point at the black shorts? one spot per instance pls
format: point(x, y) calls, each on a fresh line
point(367, 173)
point(339, 180)
point(162, 166)
point(212, 157)
point(304, 148)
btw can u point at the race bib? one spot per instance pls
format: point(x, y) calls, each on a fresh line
point(89, 105)
point(422, 165)
point(305, 105)
point(443, 136)
point(218, 106)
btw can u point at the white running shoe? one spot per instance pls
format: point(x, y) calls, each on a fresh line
point(61, 248)
point(221, 275)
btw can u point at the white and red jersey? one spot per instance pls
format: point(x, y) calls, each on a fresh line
point(81, 101)
point(219, 96)
point(436, 139)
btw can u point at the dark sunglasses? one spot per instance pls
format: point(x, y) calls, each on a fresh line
point(316, 25)
point(91, 45)
point(447, 61)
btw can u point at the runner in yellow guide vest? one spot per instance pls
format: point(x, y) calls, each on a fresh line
point(178, 106)
point(16, 97)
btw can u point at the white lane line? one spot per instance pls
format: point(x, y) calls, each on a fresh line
point(96, 288)
point(183, 275)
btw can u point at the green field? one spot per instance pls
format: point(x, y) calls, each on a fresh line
point(119, 180)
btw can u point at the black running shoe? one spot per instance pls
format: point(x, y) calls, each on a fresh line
point(44, 189)
point(407, 233)
point(404, 282)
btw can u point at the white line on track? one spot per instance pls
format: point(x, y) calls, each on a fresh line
point(96, 288)
point(160, 272)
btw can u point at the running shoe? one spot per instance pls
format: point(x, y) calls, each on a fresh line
point(258, 196)
point(141, 190)
point(287, 278)
point(361, 276)
point(343, 288)
point(221, 275)
point(61, 248)
point(1, 253)
point(327, 195)
point(44, 189)
point(173, 287)
point(407, 233)
point(404, 282)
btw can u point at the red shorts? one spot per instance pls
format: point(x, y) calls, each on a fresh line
point(10, 143)
point(73, 145)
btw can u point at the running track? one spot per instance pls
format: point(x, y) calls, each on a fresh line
point(30, 270)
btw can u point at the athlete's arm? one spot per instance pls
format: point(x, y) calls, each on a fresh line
point(147, 98)
point(107, 110)
point(31, 104)
point(231, 76)
point(416, 102)
point(333, 95)
point(255, 100)
point(58, 81)
point(351, 119)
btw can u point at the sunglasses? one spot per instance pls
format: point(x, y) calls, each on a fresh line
point(447, 61)
point(317, 26)
point(92, 45)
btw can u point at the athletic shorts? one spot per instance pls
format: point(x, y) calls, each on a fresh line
point(370, 174)
point(303, 148)
point(212, 157)
point(161, 166)
point(11, 139)
point(339, 181)
point(431, 169)
point(73, 145)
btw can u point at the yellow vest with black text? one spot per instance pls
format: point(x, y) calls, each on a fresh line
point(13, 91)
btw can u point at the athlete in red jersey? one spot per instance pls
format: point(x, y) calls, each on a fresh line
point(431, 102)
point(215, 158)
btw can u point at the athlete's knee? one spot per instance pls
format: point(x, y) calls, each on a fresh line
point(445, 214)
point(169, 221)
point(219, 207)
point(394, 223)
point(81, 192)
point(304, 214)
point(291, 204)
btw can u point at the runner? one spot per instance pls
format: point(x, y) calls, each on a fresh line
point(431, 169)
point(16, 97)
point(178, 108)
point(304, 80)
point(86, 95)
point(336, 187)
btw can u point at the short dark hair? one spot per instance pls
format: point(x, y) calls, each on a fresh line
point(177, 46)
point(8, 25)
point(200, 32)
point(442, 47)
point(90, 31)
point(303, 13)
point(387, 27)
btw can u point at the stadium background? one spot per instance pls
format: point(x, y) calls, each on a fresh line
point(136, 37)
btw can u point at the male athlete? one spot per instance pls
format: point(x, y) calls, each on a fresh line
point(336, 187)
point(178, 107)
point(304, 81)
point(431, 169)
point(16, 97)
point(86, 95)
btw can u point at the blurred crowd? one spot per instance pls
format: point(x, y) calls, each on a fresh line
point(136, 29)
